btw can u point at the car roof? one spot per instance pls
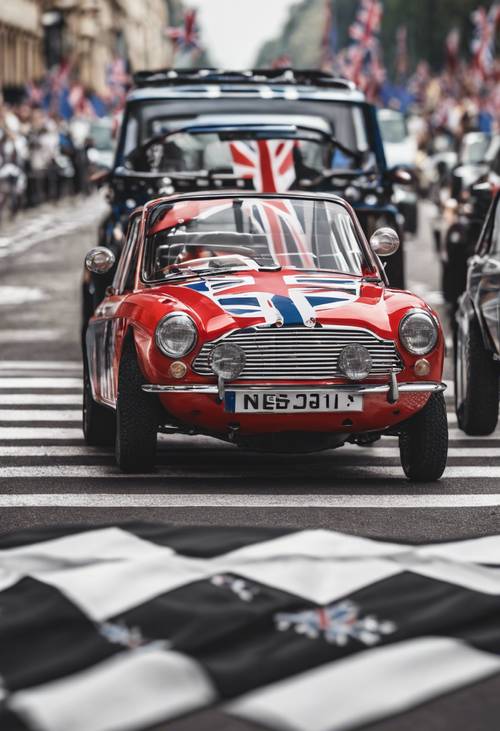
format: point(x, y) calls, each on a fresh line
point(215, 194)
point(257, 83)
point(214, 91)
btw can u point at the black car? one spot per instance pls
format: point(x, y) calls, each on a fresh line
point(178, 127)
point(477, 337)
point(472, 182)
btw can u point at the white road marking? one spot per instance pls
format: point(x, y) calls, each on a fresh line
point(190, 500)
point(40, 399)
point(16, 415)
point(20, 295)
point(21, 433)
point(57, 451)
point(41, 433)
point(372, 452)
point(29, 336)
point(40, 365)
point(361, 472)
point(41, 382)
point(453, 452)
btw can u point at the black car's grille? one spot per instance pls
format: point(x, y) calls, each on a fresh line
point(301, 352)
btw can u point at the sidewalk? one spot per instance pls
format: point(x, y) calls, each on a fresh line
point(49, 220)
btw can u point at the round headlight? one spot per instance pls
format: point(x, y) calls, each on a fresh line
point(176, 335)
point(418, 333)
point(227, 361)
point(355, 362)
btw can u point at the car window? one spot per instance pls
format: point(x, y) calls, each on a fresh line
point(249, 232)
point(124, 277)
point(345, 120)
point(495, 234)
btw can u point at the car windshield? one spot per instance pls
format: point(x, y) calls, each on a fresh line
point(148, 119)
point(283, 161)
point(393, 128)
point(474, 148)
point(198, 237)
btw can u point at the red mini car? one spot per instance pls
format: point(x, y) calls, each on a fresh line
point(264, 320)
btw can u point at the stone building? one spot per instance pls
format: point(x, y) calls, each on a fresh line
point(21, 41)
point(90, 34)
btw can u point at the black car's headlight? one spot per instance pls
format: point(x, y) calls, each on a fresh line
point(418, 332)
point(176, 335)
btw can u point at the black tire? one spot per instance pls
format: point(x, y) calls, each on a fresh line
point(423, 442)
point(99, 422)
point(137, 417)
point(476, 382)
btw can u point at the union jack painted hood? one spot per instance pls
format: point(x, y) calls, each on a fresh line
point(286, 298)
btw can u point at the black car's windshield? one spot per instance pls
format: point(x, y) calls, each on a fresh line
point(203, 236)
point(148, 119)
point(272, 164)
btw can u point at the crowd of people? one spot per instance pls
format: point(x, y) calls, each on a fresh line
point(42, 156)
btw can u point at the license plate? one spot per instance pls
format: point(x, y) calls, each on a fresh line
point(283, 402)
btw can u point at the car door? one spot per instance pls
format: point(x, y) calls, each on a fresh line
point(487, 297)
point(105, 328)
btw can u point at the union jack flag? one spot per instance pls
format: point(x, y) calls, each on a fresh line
point(308, 296)
point(185, 37)
point(268, 163)
point(485, 24)
point(364, 32)
point(337, 624)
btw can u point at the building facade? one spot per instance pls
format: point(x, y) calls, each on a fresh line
point(36, 35)
point(21, 41)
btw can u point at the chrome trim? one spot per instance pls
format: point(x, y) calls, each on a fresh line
point(294, 353)
point(421, 387)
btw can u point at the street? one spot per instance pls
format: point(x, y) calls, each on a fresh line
point(48, 475)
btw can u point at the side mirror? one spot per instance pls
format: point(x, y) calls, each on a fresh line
point(100, 260)
point(385, 241)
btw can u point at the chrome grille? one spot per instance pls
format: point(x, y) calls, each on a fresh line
point(300, 352)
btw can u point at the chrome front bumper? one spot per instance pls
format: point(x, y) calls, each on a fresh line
point(423, 387)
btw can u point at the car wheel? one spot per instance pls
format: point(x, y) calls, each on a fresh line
point(476, 383)
point(423, 442)
point(137, 417)
point(99, 424)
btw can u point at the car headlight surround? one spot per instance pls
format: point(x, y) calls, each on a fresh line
point(176, 335)
point(227, 360)
point(418, 332)
point(355, 362)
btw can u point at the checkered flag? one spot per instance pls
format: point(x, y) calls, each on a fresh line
point(129, 627)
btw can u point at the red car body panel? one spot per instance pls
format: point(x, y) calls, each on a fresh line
point(374, 307)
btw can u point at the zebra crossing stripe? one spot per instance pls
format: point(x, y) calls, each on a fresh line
point(375, 452)
point(189, 500)
point(40, 365)
point(22, 336)
point(40, 399)
point(42, 382)
point(351, 471)
point(30, 415)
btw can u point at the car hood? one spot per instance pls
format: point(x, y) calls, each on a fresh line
point(289, 298)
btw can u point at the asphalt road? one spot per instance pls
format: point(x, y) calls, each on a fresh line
point(48, 475)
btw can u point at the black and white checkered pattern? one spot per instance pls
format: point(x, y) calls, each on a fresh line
point(131, 627)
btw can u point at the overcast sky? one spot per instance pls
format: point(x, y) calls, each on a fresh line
point(233, 30)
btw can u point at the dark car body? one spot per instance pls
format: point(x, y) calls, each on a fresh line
point(473, 184)
point(477, 347)
point(166, 100)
